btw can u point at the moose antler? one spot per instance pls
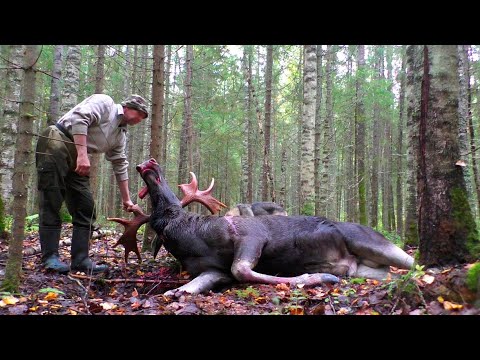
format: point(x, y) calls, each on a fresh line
point(204, 197)
point(129, 237)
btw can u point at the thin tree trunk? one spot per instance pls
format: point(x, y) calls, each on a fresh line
point(360, 136)
point(9, 124)
point(156, 130)
point(318, 130)
point(400, 150)
point(185, 156)
point(308, 131)
point(23, 157)
point(266, 174)
point(53, 113)
point(99, 86)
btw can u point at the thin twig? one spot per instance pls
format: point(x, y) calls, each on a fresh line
point(71, 277)
point(144, 281)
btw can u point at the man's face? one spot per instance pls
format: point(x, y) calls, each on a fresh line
point(133, 116)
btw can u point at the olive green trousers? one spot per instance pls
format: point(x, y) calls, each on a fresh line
point(55, 159)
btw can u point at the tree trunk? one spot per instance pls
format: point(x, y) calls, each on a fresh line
point(71, 78)
point(446, 224)
point(375, 154)
point(156, 130)
point(99, 86)
point(360, 136)
point(465, 114)
point(318, 130)
point(23, 157)
point(185, 156)
point(54, 108)
point(266, 174)
point(413, 95)
point(400, 150)
point(308, 131)
point(9, 124)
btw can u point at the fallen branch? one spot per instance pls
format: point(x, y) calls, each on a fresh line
point(144, 281)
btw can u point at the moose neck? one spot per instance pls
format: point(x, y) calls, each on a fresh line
point(161, 195)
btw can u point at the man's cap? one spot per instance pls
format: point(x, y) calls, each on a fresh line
point(136, 102)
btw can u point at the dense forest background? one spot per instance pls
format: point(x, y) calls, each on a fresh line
point(351, 132)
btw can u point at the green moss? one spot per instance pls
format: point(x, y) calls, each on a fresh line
point(472, 277)
point(463, 217)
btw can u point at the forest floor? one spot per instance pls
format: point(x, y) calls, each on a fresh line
point(137, 288)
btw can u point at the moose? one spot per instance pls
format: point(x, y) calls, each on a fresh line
point(218, 250)
point(256, 208)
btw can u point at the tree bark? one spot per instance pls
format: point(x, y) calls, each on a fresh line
point(23, 157)
point(446, 224)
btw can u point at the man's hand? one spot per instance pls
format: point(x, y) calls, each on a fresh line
point(131, 207)
point(83, 165)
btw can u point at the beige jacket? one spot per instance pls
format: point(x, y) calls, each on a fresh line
point(99, 118)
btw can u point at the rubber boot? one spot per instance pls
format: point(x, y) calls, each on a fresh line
point(49, 239)
point(79, 251)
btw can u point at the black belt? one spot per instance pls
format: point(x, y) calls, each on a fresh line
point(64, 131)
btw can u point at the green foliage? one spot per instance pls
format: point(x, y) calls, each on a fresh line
point(473, 276)
point(393, 237)
point(65, 215)
point(358, 280)
point(405, 284)
point(249, 292)
point(53, 290)
point(31, 223)
point(308, 208)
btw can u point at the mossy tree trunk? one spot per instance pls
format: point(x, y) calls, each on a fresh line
point(446, 224)
point(23, 157)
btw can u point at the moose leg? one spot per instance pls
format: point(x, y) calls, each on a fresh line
point(246, 257)
point(202, 283)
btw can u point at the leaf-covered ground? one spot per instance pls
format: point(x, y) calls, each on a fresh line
point(137, 288)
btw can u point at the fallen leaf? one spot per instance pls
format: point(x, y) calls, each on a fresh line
point(440, 299)
point(135, 292)
point(428, 279)
point(50, 296)
point(108, 305)
point(343, 311)
point(261, 300)
point(282, 287)
point(447, 305)
point(296, 310)
point(8, 300)
point(136, 305)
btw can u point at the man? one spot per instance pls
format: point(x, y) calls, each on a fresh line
point(96, 125)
